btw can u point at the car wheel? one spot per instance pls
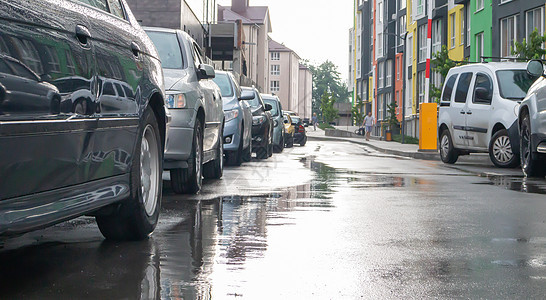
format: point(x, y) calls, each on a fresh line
point(262, 152)
point(247, 154)
point(189, 181)
point(290, 143)
point(279, 148)
point(303, 141)
point(500, 150)
point(448, 153)
point(136, 217)
point(530, 167)
point(215, 169)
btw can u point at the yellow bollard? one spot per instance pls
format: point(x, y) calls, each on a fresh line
point(428, 127)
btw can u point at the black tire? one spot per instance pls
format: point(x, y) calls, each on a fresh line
point(530, 167)
point(279, 148)
point(136, 217)
point(290, 142)
point(262, 153)
point(500, 150)
point(303, 141)
point(247, 153)
point(215, 169)
point(190, 180)
point(448, 153)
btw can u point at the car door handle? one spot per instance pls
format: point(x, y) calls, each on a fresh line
point(135, 48)
point(82, 34)
point(468, 112)
point(462, 112)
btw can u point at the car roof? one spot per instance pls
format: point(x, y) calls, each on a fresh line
point(269, 97)
point(167, 30)
point(494, 66)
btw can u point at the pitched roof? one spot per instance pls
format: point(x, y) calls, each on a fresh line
point(278, 47)
point(252, 15)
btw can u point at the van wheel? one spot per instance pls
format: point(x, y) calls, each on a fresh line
point(530, 167)
point(189, 181)
point(215, 169)
point(447, 152)
point(500, 150)
point(136, 217)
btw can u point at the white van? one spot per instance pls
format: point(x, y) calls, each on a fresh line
point(479, 111)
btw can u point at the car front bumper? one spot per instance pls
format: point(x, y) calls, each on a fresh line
point(232, 133)
point(180, 138)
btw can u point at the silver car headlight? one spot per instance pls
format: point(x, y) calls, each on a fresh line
point(258, 120)
point(516, 110)
point(176, 100)
point(231, 114)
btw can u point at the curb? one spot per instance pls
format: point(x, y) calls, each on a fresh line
point(416, 155)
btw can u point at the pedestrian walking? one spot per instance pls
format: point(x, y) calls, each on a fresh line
point(368, 123)
point(314, 120)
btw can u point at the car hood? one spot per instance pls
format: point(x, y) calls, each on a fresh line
point(173, 77)
point(230, 103)
point(256, 111)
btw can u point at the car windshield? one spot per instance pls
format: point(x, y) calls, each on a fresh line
point(514, 84)
point(275, 110)
point(255, 102)
point(168, 48)
point(222, 81)
point(295, 120)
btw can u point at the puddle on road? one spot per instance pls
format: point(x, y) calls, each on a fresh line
point(518, 183)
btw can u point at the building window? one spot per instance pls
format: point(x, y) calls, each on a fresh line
point(380, 78)
point(479, 5)
point(380, 105)
point(275, 86)
point(421, 83)
point(468, 31)
point(398, 67)
point(436, 36)
point(275, 56)
point(402, 28)
point(461, 16)
point(388, 100)
point(422, 43)
point(409, 103)
point(534, 19)
point(380, 45)
point(388, 73)
point(479, 46)
point(452, 30)
point(410, 50)
point(275, 70)
point(421, 7)
point(380, 12)
point(508, 35)
point(358, 68)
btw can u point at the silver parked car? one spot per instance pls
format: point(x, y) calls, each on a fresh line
point(194, 147)
point(238, 120)
point(532, 123)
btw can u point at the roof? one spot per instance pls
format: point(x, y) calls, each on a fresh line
point(252, 15)
point(495, 66)
point(278, 47)
point(303, 67)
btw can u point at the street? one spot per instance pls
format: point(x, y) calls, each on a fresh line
point(331, 220)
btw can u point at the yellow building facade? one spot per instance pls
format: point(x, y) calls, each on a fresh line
point(456, 32)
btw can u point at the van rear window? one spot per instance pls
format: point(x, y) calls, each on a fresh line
point(448, 90)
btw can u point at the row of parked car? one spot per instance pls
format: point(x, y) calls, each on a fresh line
point(93, 108)
point(497, 108)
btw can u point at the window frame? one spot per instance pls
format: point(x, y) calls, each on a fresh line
point(275, 70)
point(453, 78)
point(489, 101)
point(515, 35)
point(459, 80)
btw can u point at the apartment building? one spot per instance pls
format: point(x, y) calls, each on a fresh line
point(305, 94)
point(284, 70)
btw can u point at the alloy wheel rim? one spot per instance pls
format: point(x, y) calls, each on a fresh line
point(502, 149)
point(445, 146)
point(198, 160)
point(149, 170)
point(526, 149)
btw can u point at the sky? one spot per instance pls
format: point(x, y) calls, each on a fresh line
point(316, 30)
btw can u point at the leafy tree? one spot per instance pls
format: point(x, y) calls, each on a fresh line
point(326, 78)
point(357, 112)
point(532, 48)
point(329, 113)
point(441, 64)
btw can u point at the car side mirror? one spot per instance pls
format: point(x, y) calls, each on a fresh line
point(246, 95)
point(286, 122)
point(45, 78)
point(206, 71)
point(482, 95)
point(535, 68)
point(268, 107)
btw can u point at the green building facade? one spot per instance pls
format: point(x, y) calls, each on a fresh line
point(480, 29)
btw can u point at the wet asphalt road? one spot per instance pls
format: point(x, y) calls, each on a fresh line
point(330, 220)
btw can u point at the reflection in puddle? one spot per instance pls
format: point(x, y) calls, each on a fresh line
point(519, 184)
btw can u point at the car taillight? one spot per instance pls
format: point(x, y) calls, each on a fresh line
point(301, 128)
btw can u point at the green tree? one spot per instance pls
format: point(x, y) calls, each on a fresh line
point(392, 120)
point(329, 113)
point(326, 78)
point(532, 48)
point(441, 64)
point(357, 111)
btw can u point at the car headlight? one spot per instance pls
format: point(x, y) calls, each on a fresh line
point(176, 100)
point(516, 110)
point(231, 114)
point(258, 120)
point(275, 123)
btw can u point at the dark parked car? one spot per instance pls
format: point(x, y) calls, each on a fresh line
point(278, 122)
point(238, 120)
point(300, 136)
point(262, 123)
point(60, 160)
point(194, 148)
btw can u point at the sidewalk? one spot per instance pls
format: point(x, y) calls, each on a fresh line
point(344, 133)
